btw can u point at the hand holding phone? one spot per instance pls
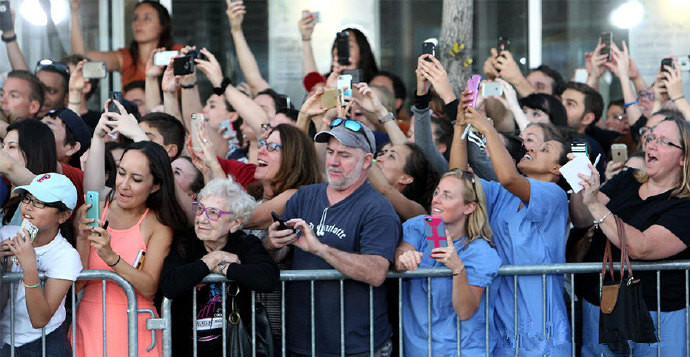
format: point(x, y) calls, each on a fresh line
point(281, 224)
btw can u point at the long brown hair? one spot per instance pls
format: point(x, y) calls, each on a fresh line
point(299, 164)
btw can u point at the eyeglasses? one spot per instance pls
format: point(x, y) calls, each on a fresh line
point(48, 64)
point(269, 146)
point(26, 199)
point(643, 94)
point(266, 127)
point(212, 213)
point(661, 141)
point(352, 125)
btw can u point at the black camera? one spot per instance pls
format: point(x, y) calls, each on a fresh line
point(185, 64)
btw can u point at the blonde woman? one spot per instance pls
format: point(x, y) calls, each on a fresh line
point(459, 200)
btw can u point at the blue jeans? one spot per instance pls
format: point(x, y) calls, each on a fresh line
point(672, 341)
point(57, 345)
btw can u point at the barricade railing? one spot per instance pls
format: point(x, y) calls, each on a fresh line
point(104, 275)
point(566, 269)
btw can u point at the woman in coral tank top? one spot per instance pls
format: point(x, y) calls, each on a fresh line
point(142, 214)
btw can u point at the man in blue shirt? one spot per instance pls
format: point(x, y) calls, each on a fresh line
point(347, 225)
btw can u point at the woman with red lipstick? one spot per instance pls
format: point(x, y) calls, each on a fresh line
point(653, 203)
point(151, 29)
point(142, 214)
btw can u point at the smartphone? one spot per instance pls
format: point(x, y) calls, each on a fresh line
point(619, 152)
point(29, 228)
point(344, 84)
point(5, 16)
point(606, 39)
point(492, 89)
point(473, 85)
point(429, 47)
point(183, 65)
point(579, 148)
point(503, 44)
point(281, 224)
point(94, 70)
point(355, 73)
point(197, 120)
point(226, 125)
point(139, 260)
point(163, 58)
point(666, 62)
point(342, 40)
point(114, 96)
point(580, 75)
point(435, 232)
point(95, 210)
point(317, 17)
point(329, 98)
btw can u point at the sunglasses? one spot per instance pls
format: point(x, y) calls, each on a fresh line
point(353, 126)
point(469, 177)
point(50, 65)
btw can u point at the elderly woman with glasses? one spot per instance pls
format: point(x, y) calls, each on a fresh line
point(219, 246)
point(653, 204)
point(459, 200)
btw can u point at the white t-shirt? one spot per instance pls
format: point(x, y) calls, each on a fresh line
point(59, 260)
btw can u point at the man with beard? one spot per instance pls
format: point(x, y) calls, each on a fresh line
point(347, 225)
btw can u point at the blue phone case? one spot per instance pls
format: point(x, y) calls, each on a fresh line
point(95, 210)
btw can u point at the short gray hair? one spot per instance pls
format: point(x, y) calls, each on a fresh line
point(239, 202)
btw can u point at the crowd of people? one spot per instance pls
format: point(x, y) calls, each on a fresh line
point(245, 185)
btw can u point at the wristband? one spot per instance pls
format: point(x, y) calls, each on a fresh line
point(73, 103)
point(220, 90)
point(188, 86)
point(678, 97)
point(31, 286)
point(601, 220)
point(118, 260)
point(9, 39)
point(631, 103)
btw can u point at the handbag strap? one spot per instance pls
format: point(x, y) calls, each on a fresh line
point(608, 258)
point(625, 259)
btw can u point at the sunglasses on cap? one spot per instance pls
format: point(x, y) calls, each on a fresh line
point(54, 66)
point(351, 125)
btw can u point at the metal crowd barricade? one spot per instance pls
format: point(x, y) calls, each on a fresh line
point(569, 269)
point(103, 275)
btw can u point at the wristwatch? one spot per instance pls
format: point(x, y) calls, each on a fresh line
point(386, 118)
point(223, 85)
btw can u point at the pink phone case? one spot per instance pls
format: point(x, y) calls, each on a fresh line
point(435, 232)
point(473, 85)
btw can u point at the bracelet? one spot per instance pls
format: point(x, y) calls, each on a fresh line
point(9, 39)
point(600, 221)
point(31, 286)
point(460, 272)
point(306, 39)
point(188, 86)
point(74, 103)
point(118, 260)
point(678, 97)
point(631, 103)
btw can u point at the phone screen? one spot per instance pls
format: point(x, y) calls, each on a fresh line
point(114, 96)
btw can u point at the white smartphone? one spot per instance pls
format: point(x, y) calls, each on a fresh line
point(344, 85)
point(197, 119)
point(163, 58)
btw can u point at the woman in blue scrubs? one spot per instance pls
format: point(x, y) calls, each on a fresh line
point(529, 218)
point(459, 200)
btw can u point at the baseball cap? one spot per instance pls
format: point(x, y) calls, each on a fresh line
point(50, 188)
point(76, 125)
point(312, 79)
point(349, 132)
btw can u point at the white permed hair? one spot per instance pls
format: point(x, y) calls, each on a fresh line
point(239, 202)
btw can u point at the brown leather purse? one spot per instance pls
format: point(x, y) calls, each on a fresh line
point(609, 293)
